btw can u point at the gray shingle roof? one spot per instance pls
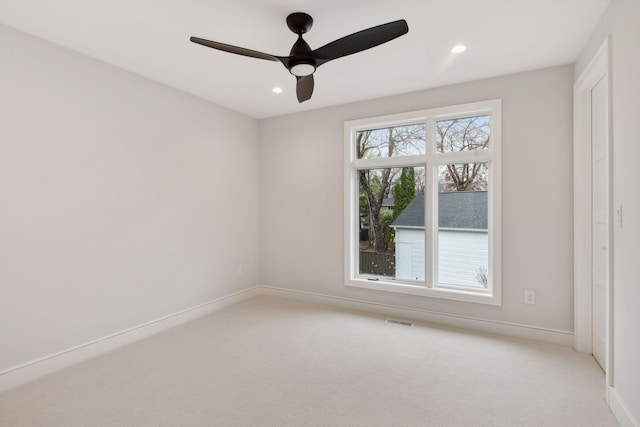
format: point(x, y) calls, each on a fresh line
point(412, 215)
point(461, 209)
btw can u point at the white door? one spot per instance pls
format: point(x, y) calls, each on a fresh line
point(600, 219)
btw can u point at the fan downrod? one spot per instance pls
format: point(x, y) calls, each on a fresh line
point(299, 22)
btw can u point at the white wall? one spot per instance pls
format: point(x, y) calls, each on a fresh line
point(121, 200)
point(622, 22)
point(301, 174)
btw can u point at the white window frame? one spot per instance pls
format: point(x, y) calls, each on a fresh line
point(492, 295)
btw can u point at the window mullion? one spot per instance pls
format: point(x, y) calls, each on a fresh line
point(430, 243)
point(388, 162)
point(463, 157)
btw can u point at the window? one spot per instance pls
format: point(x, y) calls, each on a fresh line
point(422, 202)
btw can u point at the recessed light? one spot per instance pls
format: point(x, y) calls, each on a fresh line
point(276, 90)
point(458, 48)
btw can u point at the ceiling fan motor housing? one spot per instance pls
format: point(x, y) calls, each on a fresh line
point(301, 63)
point(299, 22)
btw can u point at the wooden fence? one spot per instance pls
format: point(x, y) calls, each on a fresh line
point(380, 264)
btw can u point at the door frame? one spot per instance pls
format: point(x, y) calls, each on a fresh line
point(597, 69)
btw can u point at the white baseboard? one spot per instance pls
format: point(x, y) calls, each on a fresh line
point(71, 356)
point(619, 409)
point(452, 320)
point(37, 368)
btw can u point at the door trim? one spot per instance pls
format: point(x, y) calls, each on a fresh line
point(598, 68)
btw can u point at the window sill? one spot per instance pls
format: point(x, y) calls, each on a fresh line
point(479, 297)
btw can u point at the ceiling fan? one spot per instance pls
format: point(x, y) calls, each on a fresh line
point(302, 61)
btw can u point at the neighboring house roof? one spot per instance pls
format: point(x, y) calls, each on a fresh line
point(412, 215)
point(388, 202)
point(457, 209)
point(463, 209)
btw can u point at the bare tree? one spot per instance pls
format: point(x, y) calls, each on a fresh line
point(463, 134)
point(375, 196)
point(377, 183)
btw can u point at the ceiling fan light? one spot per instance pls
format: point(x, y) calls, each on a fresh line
point(302, 69)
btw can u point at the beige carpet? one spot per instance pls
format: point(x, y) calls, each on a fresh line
point(275, 362)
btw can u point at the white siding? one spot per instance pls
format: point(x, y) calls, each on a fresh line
point(410, 254)
point(461, 255)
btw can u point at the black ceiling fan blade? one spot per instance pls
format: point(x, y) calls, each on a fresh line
point(234, 49)
point(362, 40)
point(304, 88)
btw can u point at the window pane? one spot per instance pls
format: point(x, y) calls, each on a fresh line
point(463, 237)
point(392, 235)
point(464, 134)
point(391, 142)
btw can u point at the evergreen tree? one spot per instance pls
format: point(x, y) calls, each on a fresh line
point(404, 191)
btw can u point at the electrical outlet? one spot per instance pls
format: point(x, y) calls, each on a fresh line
point(529, 297)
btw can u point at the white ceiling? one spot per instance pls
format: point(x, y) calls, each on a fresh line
point(151, 38)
